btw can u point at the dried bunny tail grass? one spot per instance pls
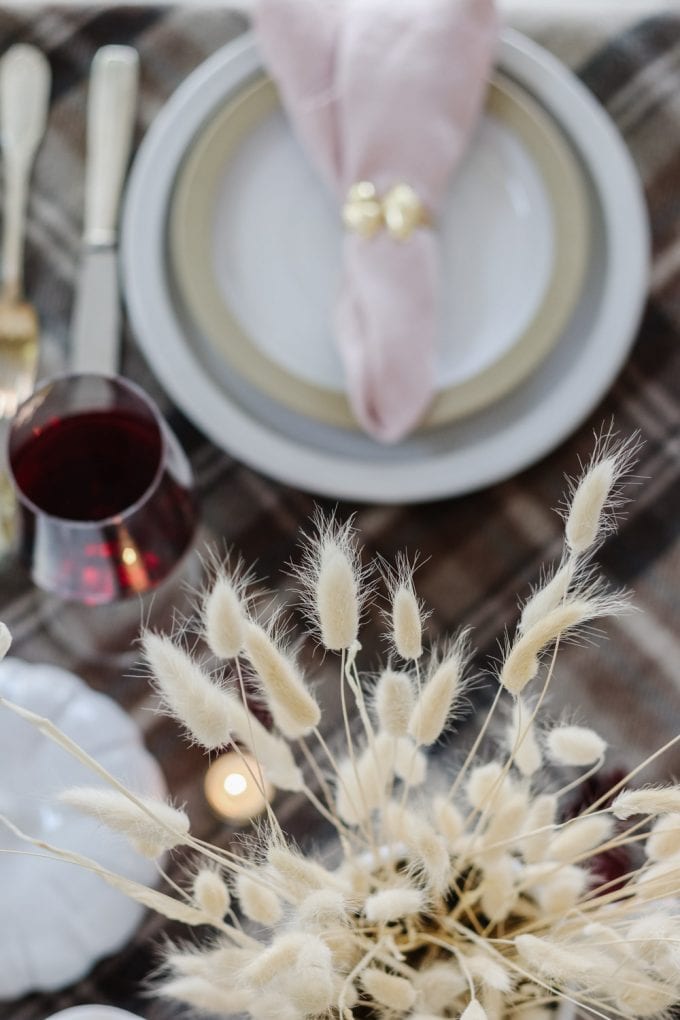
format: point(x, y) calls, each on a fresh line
point(410, 764)
point(439, 986)
point(388, 989)
point(642, 998)
point(600, 935)
point(311, 983)
point(489, 971)
point(523, 659)
point(547, 596)
point(5, 640)
point(393, 702)
point(191, 961)
point(483, 781)
point(655, 939)
point(653, 800)
point(407, 624)
point(428, 855)
point(579, 836)
point(506, 816)
point(224, 611)
point(521, 739)
point(297, 964)
point(565, 963)
point(187, 692)
point(440, 694)
point(447, 819)
point(396, 757)
point(293, 708)
point(212, 715)
point(499, 892)
point(273, 1006)
point(406, 614)
point(361, 784)
point(166, 906)
point(203, 995)
point(562, 890)
point(595, 498)
point(153, 829)
point(538, 827)
point(273, 754)
point(210, 893)
point(273, 960)
point(664, 839)
point(332, 583)
point(392, 904)
point(658, 881)
point(398, 822)
point(258, 902)
point(325, 909)
point(298, 876)
point(575, 746)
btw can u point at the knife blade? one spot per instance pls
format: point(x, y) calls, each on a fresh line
point(111, 105)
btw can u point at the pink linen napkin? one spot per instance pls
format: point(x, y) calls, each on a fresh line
point(385, 91)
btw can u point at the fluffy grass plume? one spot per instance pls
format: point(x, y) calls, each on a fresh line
point(476, 896)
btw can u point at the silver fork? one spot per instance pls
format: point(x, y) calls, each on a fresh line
point(25, 79)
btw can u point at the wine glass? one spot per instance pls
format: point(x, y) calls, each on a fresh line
point(104, 491)
point(105, 504)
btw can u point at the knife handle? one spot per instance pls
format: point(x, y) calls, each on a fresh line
point(111, 105)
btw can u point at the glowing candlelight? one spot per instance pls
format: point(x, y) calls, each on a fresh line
point(233, 787)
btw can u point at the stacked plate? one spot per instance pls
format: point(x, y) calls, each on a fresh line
point(231, 259)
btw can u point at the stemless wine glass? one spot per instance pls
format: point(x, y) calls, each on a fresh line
point(104, 492)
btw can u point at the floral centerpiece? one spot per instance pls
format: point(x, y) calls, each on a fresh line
point(477, 895)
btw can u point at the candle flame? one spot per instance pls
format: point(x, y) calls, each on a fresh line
point(235, 784)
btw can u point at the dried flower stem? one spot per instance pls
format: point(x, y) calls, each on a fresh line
point(173, 909)
point(580, 780)
point(342, 829)
point(631, 775)
point(472, 753)
point(259, 778)
point(489, 801)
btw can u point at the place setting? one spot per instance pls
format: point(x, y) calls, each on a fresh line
point(538, 300)
point(287, 727)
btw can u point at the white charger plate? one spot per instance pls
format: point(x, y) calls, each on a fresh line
point(255, 245)
point(484, 448)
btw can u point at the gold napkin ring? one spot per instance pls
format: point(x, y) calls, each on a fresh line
point(399, 211)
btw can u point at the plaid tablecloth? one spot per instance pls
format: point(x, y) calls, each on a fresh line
point(479, 551)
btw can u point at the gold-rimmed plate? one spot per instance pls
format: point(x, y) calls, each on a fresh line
point(468, 454)
point(254, 244)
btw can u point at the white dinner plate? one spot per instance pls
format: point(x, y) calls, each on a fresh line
point(258, 277)
point(479, 450)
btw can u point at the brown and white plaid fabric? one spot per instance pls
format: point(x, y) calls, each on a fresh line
point(479, 552)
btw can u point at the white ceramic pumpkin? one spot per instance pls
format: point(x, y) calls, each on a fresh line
point(57, 919)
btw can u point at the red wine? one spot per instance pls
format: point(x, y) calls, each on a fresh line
point(112, 510)
point(90, 466)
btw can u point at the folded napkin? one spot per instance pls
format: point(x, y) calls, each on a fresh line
point(383, 93)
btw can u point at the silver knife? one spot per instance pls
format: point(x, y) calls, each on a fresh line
point(111, 105)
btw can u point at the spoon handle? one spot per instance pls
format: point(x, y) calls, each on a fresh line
point(25, 80)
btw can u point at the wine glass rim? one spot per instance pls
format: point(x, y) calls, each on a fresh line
point(139, 393)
